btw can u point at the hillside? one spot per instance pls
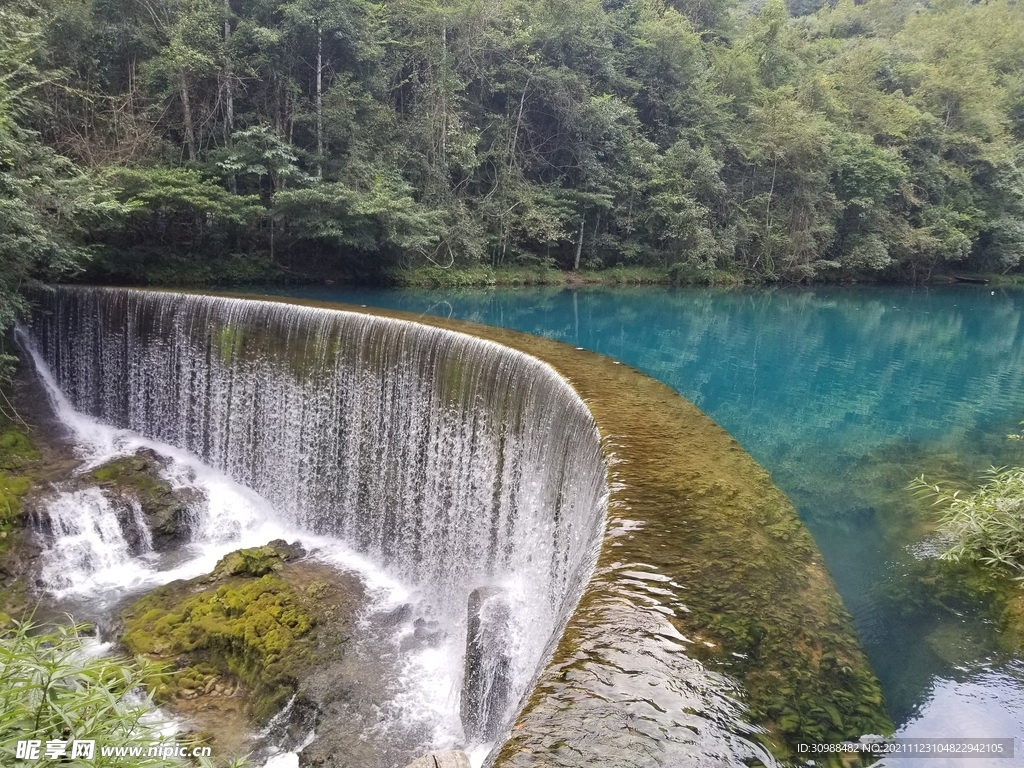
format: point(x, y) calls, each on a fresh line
point(198, 141)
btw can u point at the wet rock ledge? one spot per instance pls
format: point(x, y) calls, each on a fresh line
point(136, 478)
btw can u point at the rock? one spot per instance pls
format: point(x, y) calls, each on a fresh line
point(451, 758)
point(258, 561)
point(136, 480)
point(243, 639)
point(487, 677)
point(426, 631)
point(399, 615)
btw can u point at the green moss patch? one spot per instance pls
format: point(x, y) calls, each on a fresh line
point(257, 561)
point(15, 448)
point(18, 459)
point(247, 629)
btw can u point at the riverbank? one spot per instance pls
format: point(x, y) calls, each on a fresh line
point(240, 274)
point(477, 276)
point(511, 276)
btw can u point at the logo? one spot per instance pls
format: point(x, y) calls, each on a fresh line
point(33, 749)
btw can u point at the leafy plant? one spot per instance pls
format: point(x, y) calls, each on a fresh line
point(53, 688)
point(986, 526)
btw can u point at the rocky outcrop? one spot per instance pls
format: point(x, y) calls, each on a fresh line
point(18, 464)
point(487, 680)
point(241, 639)
point(136, 480)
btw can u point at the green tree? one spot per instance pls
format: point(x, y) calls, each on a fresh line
point(47, 205)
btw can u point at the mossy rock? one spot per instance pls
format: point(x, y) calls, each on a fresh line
point(16, 455)
point(258, 561)
point(16, 448)
point(250, 628)
point(138, 478)
point(18, 460)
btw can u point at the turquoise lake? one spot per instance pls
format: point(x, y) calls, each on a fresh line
point(844, 395)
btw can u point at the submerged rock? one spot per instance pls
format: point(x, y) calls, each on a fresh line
point(487, 677)
point(451, 758)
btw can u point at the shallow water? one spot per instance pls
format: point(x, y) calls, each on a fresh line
point(843, 395)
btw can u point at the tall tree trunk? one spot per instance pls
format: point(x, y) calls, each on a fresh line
point(444, 97)
point(319, 100)
point(229, 91)
point(186, 109)
point(579, 246)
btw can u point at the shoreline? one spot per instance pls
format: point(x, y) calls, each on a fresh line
point(480, 276)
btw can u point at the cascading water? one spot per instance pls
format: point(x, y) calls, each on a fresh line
point(98, 548)
point(453, 462)
point(88, 540)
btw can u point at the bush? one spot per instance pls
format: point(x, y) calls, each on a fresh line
point(52, 688)
point(986, 526)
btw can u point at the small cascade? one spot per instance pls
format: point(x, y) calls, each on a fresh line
point(100, 547)
point(88, 539)
point(486, 683)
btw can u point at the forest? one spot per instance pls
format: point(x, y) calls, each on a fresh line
point(239, 141)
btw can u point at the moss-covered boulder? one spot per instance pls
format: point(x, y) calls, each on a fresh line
point(249, 632)
point(137, 479)
point(258, 561)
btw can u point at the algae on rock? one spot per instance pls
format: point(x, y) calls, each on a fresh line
point(246, 631)
point(137, 478)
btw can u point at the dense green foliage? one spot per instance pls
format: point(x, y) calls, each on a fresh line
point(206, 140)
point(986, 526)
point(53, 689)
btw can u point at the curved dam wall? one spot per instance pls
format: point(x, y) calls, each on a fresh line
point(452, 461)
point(709, 632)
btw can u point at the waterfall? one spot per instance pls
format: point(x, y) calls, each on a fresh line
point(451, 461)
point(88, 541)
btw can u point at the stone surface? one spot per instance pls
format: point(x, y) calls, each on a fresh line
point(137, 479)
point(487, 683)
point(451, 758)
point(243, 639)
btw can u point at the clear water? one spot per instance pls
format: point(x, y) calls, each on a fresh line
point(843, 395)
